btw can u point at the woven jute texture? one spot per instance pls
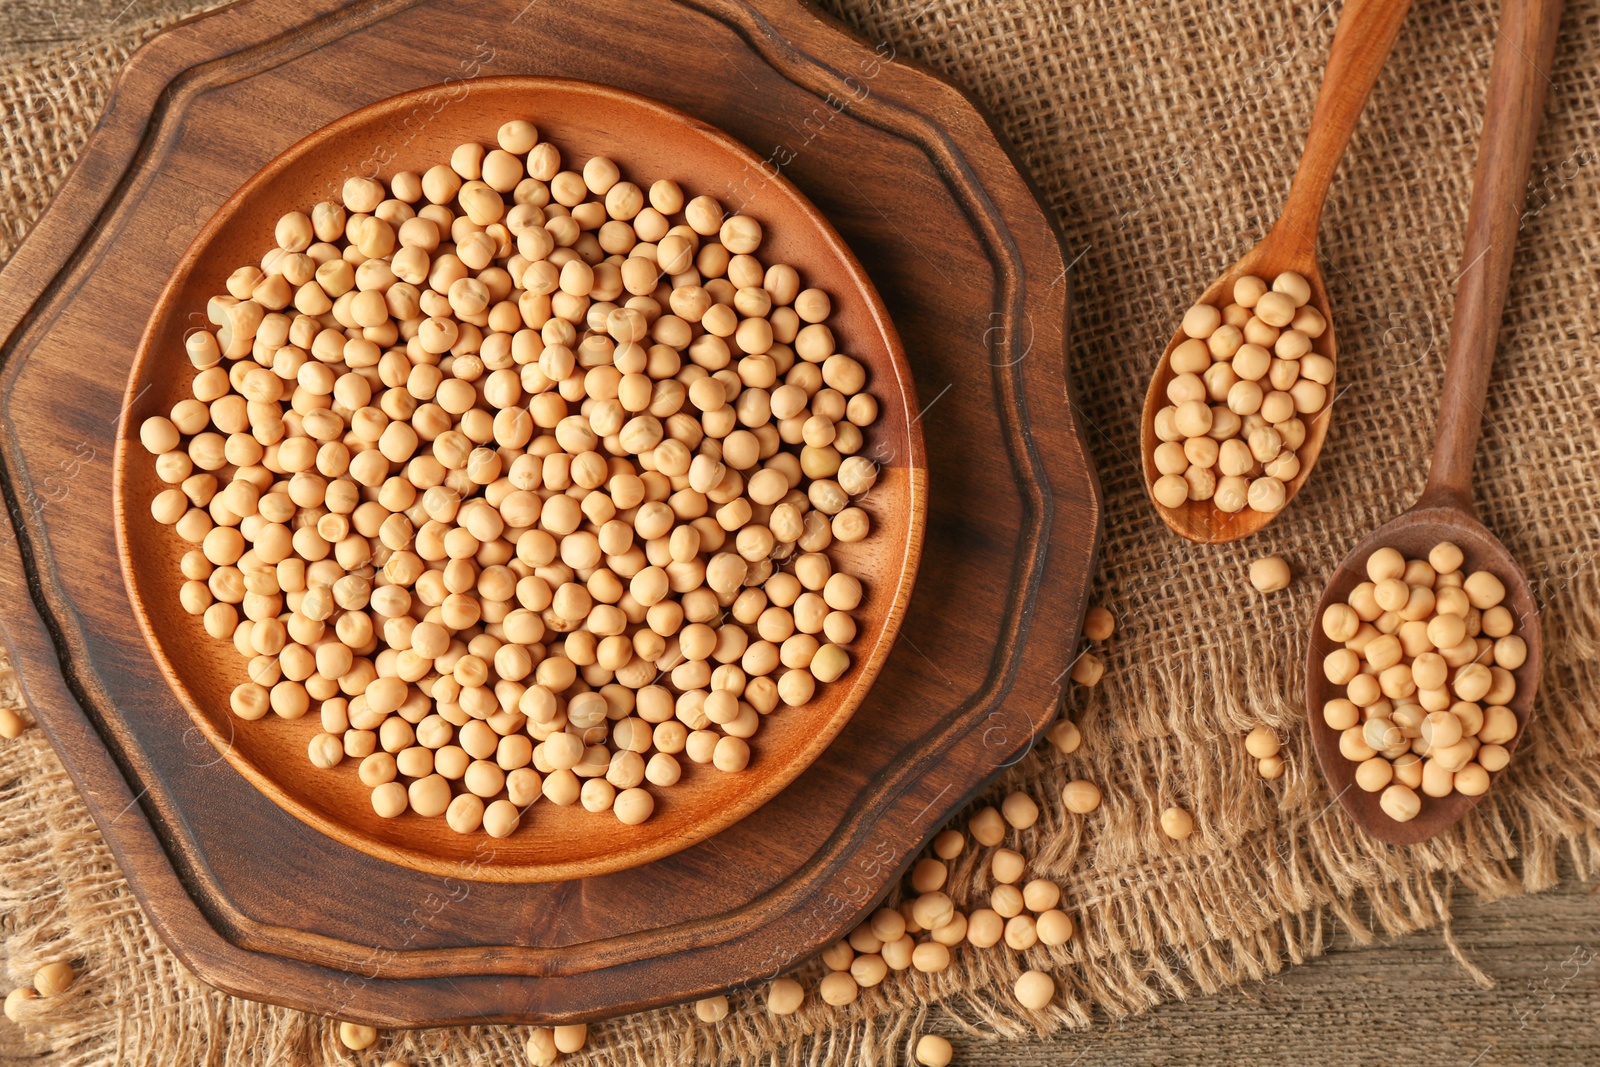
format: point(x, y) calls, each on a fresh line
point(1164, 136)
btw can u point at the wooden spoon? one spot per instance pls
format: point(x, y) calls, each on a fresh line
point(1517, 82)
point(1361, 43)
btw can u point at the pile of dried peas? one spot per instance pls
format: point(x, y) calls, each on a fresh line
point(923, 931)
point(1245, 380)
point(524, 478)
point(1427, 660)
point(896, 939)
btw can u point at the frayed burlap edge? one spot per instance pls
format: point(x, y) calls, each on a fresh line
point(1178, 925)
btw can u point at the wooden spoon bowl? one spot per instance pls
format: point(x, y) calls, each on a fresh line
point(1202, 520)
point(1365, 35)
point(1518, 77)
point(1414, 534)
point(412, 132)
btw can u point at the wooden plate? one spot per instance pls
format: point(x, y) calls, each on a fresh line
point(968, 265)
point(647, 140)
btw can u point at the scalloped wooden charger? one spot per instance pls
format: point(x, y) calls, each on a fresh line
point(258, 902)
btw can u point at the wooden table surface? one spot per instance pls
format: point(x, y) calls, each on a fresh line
point(1407, 1000)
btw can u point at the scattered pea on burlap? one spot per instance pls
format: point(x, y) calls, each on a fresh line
point(1165, 139)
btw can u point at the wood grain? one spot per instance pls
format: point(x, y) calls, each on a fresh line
point(1542, 952)
point(1517, 80)
point(260, 904)
point(1361, 45)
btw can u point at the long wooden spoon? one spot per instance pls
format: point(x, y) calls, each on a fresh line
point(1444, 512)
point(1361, 43)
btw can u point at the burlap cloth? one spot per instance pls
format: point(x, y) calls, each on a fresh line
point(1165, 137)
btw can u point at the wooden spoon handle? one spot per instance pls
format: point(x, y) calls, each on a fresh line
point(1518, 78)
point(1361, 43)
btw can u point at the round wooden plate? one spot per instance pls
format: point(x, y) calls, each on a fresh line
point(970, 268)
point(648, 141)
